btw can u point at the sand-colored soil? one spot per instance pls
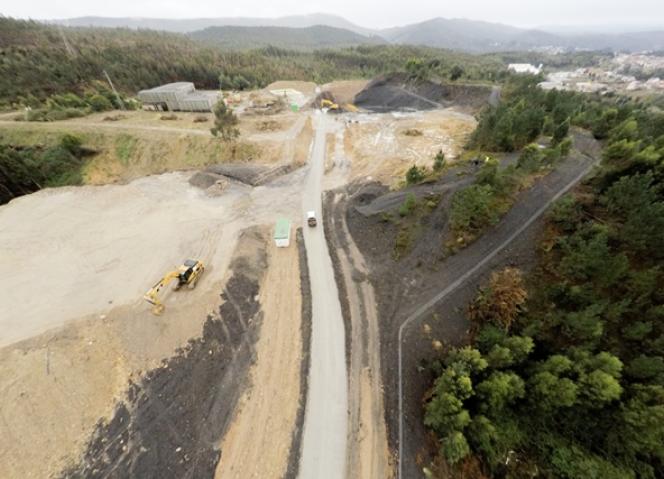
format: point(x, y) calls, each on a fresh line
point(344, 91)
point(258, 442)
point(305, 87)
point(379, 147)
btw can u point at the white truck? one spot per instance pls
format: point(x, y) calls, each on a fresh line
point(311, 218)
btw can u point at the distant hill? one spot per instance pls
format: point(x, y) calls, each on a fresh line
point(476, 36)
point(187, 25)
point(309, 38)
point(468, 35)
point(458, 34)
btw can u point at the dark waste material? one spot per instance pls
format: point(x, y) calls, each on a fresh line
point(172, 421)
point(397, 91)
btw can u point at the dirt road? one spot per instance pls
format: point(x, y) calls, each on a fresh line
point(325, 427)
point(367, 449)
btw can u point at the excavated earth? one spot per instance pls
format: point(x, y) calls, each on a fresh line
point(171, 421)
point(397, 91)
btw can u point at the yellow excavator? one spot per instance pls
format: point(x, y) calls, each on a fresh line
point(329, 104)
point(187, 274)
point(325, 103)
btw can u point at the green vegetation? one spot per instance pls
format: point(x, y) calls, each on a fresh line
point(70, 105)
point(27, 169)
point(439, 161)
point(125, 146)
point(310, 38)
point(525, 113)
point(564, 376)
point(225, 122)
point(409, 219)
point(35, 63)
point(482, 204)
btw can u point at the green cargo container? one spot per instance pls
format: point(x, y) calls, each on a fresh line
point(282, 231)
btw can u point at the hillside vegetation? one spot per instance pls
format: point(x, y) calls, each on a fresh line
point(564, 376)
point(35, 63)
point(310, 38)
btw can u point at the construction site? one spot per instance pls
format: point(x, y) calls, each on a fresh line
point(181, 315)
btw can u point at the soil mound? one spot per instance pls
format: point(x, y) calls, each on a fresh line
point(397, 91)
point(253, 175)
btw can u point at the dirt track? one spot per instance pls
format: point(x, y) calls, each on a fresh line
point(367, 451)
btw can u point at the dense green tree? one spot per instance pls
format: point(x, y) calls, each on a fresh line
point(439, 161)
point(225, 122)
point(500, 389)
point(456, 72)
point(455, 447)
point(561, 131)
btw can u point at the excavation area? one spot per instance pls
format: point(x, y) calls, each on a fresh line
point(217, 385)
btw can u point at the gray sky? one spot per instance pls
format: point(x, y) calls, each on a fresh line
point(363, 12)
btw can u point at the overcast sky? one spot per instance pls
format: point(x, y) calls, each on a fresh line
point(528, 13)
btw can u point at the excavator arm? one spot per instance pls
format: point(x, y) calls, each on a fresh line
point(188, 274)
point(152, 296)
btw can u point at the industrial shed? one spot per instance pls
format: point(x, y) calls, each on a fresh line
point(180, 96)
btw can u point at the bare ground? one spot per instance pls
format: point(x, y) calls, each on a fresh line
point(266, 415)
point(170, 421)
point(379, 148)
point(367, 451)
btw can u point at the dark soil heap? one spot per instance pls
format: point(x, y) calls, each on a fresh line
point(397, 91)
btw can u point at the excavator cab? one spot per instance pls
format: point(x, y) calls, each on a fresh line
point(188, 274)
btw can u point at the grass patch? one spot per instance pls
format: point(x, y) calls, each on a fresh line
point(409, 220)
point(125, 147)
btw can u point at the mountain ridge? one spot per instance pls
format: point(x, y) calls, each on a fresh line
point(474, 36)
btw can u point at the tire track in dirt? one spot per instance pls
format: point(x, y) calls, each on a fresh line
point(367, 448)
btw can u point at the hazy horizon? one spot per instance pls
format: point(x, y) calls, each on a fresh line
point(580, 15)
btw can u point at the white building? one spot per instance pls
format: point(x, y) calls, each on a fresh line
point(525, 68)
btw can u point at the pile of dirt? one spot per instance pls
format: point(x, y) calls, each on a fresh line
point(253, 175)
point(397, 91)
point(345, 90)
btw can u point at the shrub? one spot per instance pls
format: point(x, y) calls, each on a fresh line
point(415, 175)
point(439, 161)
point(502, 300)
point(408, 205)
point(472, 208)
point(100, 103)
point(530, 159)
point(225, 122)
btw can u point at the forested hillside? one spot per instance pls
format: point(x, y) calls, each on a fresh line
point(35, 62)
point(310, 38)
point(564, 376)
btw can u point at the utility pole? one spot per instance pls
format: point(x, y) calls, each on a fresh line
point(68, 47)
point(122, 106)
